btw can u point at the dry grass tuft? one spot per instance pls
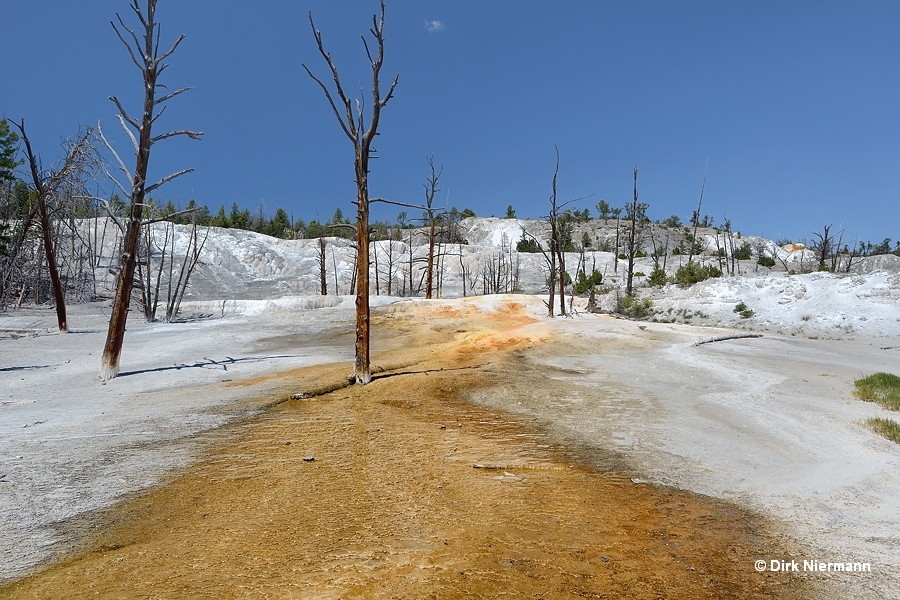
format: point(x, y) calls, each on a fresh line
point(886, 428)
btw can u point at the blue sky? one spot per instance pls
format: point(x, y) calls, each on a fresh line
point(794, 104)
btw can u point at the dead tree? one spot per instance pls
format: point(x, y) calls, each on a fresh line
point(836, 251)
point(618, 239)
point(553, 219)
point(352, 122)
point(45, 187)
point(722, 250)
point(391, 259)
point(463, 271)
point(175, 294)
point(826, 248)
point(554, 255)
point(431, 188)
point(176, 282)
point(147, 58)
point(697, 215)
point(149, 291)
point(636, 213)
point(320, 257)
point(334, 267)
point(732, 263)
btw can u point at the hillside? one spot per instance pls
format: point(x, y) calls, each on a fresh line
point(238, 269)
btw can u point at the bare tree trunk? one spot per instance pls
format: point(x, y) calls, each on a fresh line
point(36, 287)
point(390, 261)
point(429, 265)
point(109, 366)
point(552, 282)
point(337, 288)
point(162, 263)
point(462, 271)
point(836, 252)
point(697, 216)
point(631, 238)
point(375, 254)
point(562, 280)
point(59, 296)
point(323, 283)
point(353, 274)
point(616, 255)
point(150, 62)
point(409, 266)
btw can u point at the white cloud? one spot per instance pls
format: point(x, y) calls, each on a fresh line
point(434, 25)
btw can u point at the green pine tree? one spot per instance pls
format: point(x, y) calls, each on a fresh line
point(280, 225)
point(9, 148)
point(221, 219)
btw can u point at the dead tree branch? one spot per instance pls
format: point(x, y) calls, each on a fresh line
point(736, 336)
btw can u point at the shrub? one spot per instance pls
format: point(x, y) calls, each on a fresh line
point(744, 252)
point(765, 261)
point(527, 245)
point(673, 221)
point(882, 388)
point(741, 309)
point(690, 273)
point(635, 309)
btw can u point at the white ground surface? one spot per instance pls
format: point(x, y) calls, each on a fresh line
point(69, 444)
point(769, 423)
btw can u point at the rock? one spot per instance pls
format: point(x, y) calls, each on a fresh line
point(309, 458)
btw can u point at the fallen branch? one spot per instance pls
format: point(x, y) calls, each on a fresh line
point(378, 373)
point(736, 336)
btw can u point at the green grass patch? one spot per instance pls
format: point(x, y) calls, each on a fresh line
point(882, 388)
point(886, 428)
